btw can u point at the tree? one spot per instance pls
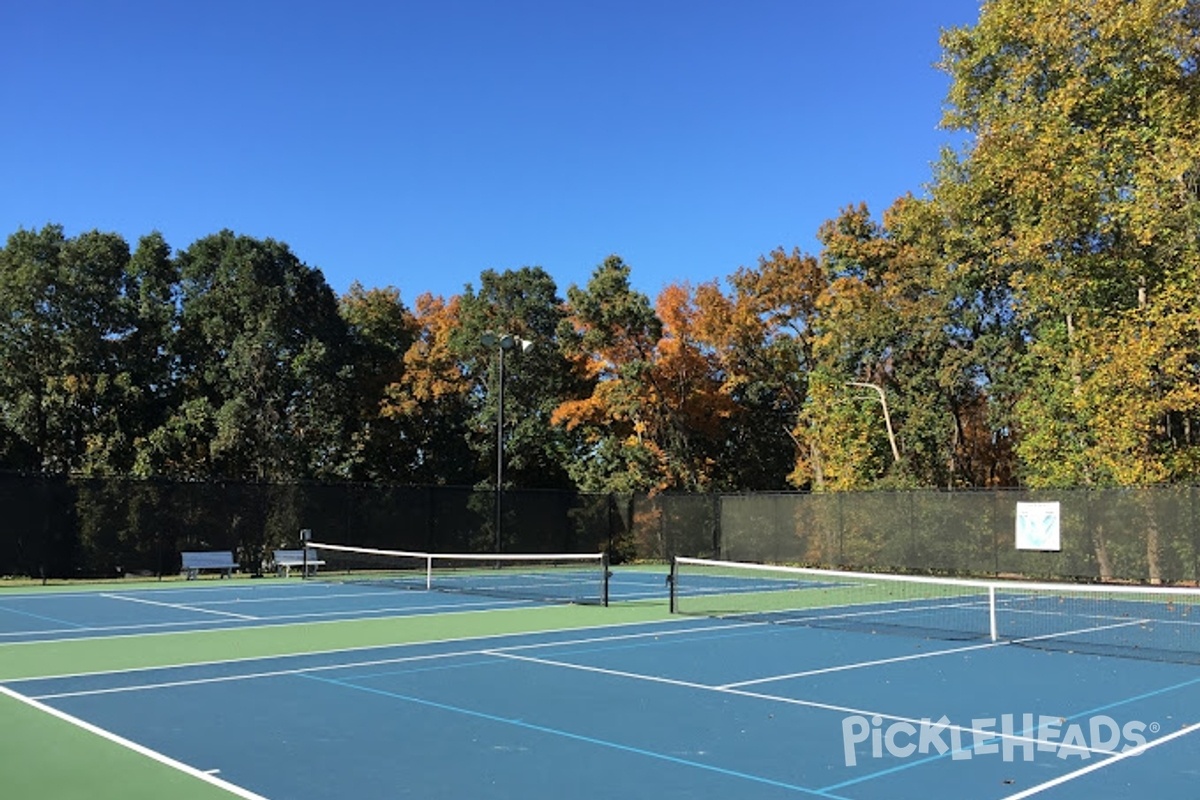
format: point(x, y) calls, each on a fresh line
point(608, 337)
point(429, 405)
point(263, 357)
point(381, 331)
point(522, 303)
point(763, 337)
point(1080, 184)
point(65, 319)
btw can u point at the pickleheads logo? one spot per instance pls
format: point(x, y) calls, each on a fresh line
point(1010, 737)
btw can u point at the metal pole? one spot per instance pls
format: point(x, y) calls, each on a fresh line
point(500, 450)
point(887, 418)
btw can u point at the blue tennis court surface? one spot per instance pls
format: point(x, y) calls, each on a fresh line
point(684, 707)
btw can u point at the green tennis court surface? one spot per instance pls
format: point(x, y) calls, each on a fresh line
point(304, 689)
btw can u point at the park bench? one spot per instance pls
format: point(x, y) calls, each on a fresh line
point(196, 562)
point(286, 559)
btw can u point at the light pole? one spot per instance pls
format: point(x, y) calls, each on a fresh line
point(502, 342)
point(887, 418)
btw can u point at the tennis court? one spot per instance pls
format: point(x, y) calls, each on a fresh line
point(327, 689)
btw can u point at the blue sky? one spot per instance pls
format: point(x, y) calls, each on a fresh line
point(415, 144)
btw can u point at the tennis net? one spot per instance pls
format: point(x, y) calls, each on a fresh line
point(1155, 623)
point(552, 578)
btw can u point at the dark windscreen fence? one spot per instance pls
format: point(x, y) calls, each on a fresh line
point(62, 527)
point(1147, 535)
point(666, 525)
point(57, 527)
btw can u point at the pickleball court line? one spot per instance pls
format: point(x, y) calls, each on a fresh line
point(558, 732)
point(1079, 773)
point(792, 701)
point(42, 617)
point(705, 632)
point(403, 645)
point(187, 769)
point(1076, 716)
point(313, 618)
point(931, 654)
point(350, 615)
point(177, 606)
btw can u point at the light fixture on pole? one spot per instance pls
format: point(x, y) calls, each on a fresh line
point(502, 342)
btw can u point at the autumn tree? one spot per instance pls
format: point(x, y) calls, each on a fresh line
point(429, 405)
point(609, 336)
point(762, 335)
point(1079, 188)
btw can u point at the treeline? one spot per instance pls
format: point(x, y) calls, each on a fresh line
point(1033, 318)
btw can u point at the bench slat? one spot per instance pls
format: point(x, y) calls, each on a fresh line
point(286, 559)
point(195, 561)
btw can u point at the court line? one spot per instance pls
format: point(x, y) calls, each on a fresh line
point(860, 665)
point(42, 617)
point(278, 673)
point(518, 723)
point(1133, 751)
point(351, 665)
point(318, 617)
point(154, 755)
point(177, 606)
point(670, 622)
point(769, 697)
point(1076, 716)
point(931, 654)
point(283, 598)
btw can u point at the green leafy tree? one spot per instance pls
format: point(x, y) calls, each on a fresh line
point(381, 331)
point(66, 320)
point(522, 303)
point(263, 364)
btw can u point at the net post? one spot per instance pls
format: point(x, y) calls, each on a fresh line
point(428, 572)
point(305, 538)
point(672, 584)
point(994, 633)
point(605, 575)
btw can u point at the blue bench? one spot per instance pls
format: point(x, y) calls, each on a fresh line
point(196, 562)
point(286, 559)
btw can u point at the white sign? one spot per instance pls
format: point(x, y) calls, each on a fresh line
point(1037, 526)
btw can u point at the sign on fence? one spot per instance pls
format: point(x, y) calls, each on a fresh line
point(1038, 527)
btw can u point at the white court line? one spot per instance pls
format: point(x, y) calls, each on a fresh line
point(177, 606)
point(278, 673)
point(1133, 751)
point(674, 621)
point(990, 734)
point(282, 620)
point(296, 598)
point(931, 654)
point(861, 665)
point(1068, 614)
point(351, 665)
point(202, 775)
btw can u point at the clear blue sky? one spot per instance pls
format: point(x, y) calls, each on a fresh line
point(415, 144)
